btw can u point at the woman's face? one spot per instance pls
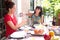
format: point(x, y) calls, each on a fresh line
point(13, 9)
point(38, 11)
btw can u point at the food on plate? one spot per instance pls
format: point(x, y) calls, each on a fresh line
point(40, 31)
point(36, 31)
point(38, 26)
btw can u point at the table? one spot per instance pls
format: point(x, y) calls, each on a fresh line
point(28, 37)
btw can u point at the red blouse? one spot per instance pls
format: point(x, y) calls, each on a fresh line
point(9, 30)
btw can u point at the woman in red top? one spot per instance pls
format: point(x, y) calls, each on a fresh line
point(10, 19)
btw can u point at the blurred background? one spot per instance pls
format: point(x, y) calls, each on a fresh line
point(51, 10)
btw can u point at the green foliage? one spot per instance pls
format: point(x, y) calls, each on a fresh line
point(57, 12)
point(53, 8)
point(50, 6)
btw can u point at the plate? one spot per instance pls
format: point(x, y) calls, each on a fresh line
point(18, 34)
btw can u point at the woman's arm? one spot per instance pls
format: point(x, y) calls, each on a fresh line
point(42, 19)
point(15, 27)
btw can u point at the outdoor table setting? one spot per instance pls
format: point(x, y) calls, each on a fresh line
point(27, 32)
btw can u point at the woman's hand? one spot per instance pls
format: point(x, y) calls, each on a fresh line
point(29, 14)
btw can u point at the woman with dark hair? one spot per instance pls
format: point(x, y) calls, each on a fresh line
point(10, 19)
point(37, 16)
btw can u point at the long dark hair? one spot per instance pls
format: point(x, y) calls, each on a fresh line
point(38, 7)
point(8, 4)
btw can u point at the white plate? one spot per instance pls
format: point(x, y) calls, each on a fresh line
point(18, 34)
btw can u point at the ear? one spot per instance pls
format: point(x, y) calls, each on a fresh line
point(9, 9)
